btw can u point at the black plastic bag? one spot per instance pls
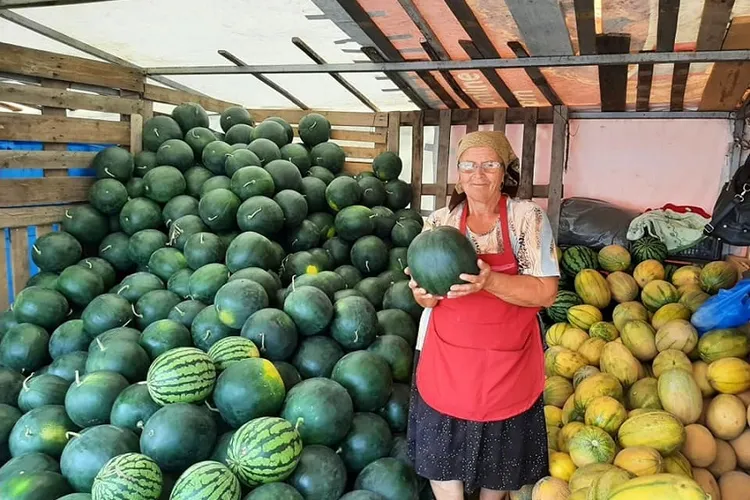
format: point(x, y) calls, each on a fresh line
point(593, 223)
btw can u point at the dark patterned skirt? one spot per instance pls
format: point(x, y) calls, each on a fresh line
point(503, 455)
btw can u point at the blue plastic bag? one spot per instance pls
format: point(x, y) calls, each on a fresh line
point(728, 309)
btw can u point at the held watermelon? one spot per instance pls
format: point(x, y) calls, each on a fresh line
point(436, 259)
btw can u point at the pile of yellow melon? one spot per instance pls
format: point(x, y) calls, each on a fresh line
point(639, 407)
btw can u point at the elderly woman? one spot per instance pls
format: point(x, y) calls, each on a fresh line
point(476, 413)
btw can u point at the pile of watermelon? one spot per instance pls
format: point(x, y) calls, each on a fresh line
point(638, 405)
point(227, 318)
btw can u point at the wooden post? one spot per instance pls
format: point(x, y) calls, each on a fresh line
point(394, 131)
point(498, 119)
point(472, 124)
point(136, 133)
point(19, 256)
point(444, 145)
point(417, 160)
point(528, 154)
point(557, 166)
point(4, 292)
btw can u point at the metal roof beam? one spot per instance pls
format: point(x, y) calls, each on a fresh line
point(22, 4)
point(528, 62)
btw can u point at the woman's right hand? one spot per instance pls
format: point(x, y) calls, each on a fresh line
point(424, 299)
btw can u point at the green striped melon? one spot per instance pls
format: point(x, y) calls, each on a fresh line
point(564, 301)
point(648, 248)
point(593, 289)
point(264, 450)
point(577, 258)
point(659, 293)
point(614, 258)
point(182, 375)
point(232, 349)
point(131, 476)
point(717, 275)
point(725, 343)
point(591, 445)
point(207, 480)
point(584, 316)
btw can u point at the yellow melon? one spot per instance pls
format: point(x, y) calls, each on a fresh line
point(693, 298)
point(552, 433)
point(707, 482)
point(700, 446)
point(593, 289)
point(680, 395)
point(583, 373)
point(648, 271)
point(591, 349)
point(741, 446)
point(676, 334)
point(628, 311)
point(726, 416)
point(639, 337)
point(567, 362)
point(566, 433)
point(606, 483)
point(670, 359)
point(644, 394)
point(561, 466)
point(606, 413)
point(729, 375)
point(550, 488)
point(557, 390)
point(700, 374)
point(554, 333)
point(617, 360)
point(668, 313)
point(640, 461)
point(600, 384)
point(745, 397)
point(676, 463)
point(687, 275)
point(604, 330)
point(549, 359)
point(553, 415)
point(623, 287)
point(571, 411)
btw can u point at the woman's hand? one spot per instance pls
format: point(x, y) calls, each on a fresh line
point(421, 296)
point(475, 282)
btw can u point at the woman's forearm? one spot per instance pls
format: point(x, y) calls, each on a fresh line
point(520, 290)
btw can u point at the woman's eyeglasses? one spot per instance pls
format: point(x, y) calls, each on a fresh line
point(487, 166)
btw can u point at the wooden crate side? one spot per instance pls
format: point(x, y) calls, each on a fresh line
point(417, 161)
point(39, 191)
point(28, 216)
point(176, 97)
point(5, 292)
point(43, 64)
point(337, 118)
point(55, 129)
point(34, 95)
point(20, 258)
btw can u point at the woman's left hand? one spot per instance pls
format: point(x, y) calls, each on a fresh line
point(475, 283)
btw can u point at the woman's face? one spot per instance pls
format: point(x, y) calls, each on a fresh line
point(481, 185)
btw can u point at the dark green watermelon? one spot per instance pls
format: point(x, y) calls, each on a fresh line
point(139, 214)
point(321, 424)
point(66, 365)
point(397, 352)
point(195, 176)
point(234, 115)
point(316, 356)
point(27, 435)
point(189, 115)
point(272, 131)
point(396, 410)
point(369, 439)
point(390, 478)
point(342, 192)
point(119, 356)
point(314, 128)
point(398, 322)
point(42, 390)
point(175, 153)
point(144, 161)
point(86, 224)
point(89, 400)
point(274, 332)
point(206, 329)
point(24, 348)
point(108, 196)
point(265, 149)
point(248, 389)
point(320, 473)
point(387, 166)
point(354, 324)
point(297, 154)
point(398, 194)
point(136, 285)
point(260, 214)
point(239, 133)
point(114, 163)
point(328, 155)
point(132, 408)
point(310, 308)
point(79, 285)
point(367, 377)
point(158, 130)
point(293, 205)
point(186, 311)
point(55, 251)
point(369, 255)
point(165, 262)
point(114, 249)
point(179, 206)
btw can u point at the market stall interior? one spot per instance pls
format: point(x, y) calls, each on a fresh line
point(206, 218)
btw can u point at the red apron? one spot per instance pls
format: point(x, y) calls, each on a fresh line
point(482, 358)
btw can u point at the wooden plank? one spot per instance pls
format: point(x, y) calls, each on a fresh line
point(714, 22)
point(542, 25)
point(48, 160)
point(417, 161)
point(486, 116)
point(43, 229)
point(394, 132)
point(728, 81)
point(447, 75)
point(177, 97)
point(4, 291)
point(356, 168)
point(586, 26)
point(613, 80)
point(437, 88)
point(528, 155)
point(358, 136)
point(557, 167)
point(136, 133)
point(538, 191)
point(23, 192)
point(344, 118)
point(43, 64)
point(19, 127)
point(536, 75)
point(59, 112)
point(666, 29)
point(491, 75)
point(19, 257)
point(444, 145)
point(643, 91)
point(472, 124)
point(368, 153)
point(28, 216)
point(37, 95)
point(498, 120)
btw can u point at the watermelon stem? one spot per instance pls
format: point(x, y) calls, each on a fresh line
point(135, 313)
point(140, 424)
point(179, 311)
point(293, 288)
point(68, 434)
point(89, 264)
point(127, 322)
point(38, 252)
point(78, 379)
point(123, 288)
point(99, 343)
point(215, 410)
point(356, 335)
point(367, 265)
point(299, 422)
point(248, 184)
point(67, 214)
point(106, 171)
point(256, 213)
point(213, 218)
point(103, 249)
point(156, 132)
point(208, 334)
point(26, 387)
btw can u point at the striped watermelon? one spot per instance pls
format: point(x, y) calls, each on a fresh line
point(558, 312)
point(577, 258)
point(182, 375)
point(647, 248)
point(232, 349)
point(207, 480)
point(131, 476)
point(264, 450)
